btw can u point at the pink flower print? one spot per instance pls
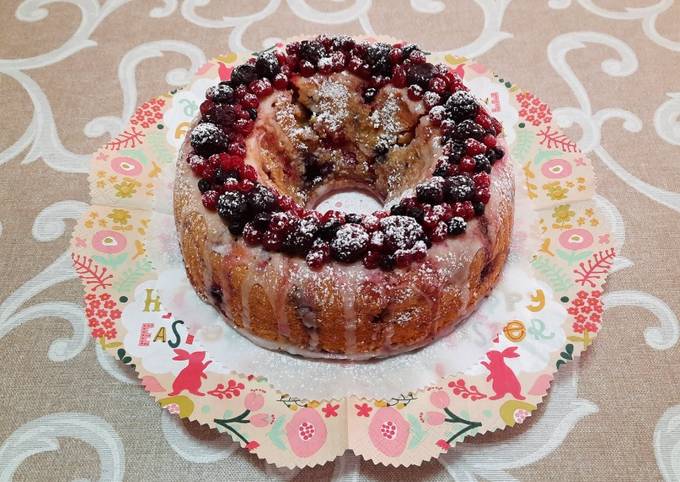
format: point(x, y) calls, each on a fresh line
point(115, 314)
point(582, 294)
point(389, 431)
point(306, 432)
point(108, 304)
point(330, 410)
point(108, 324)
point(434, 418)
point(98, 332)
point(577, 327)
point(101, 313)
point(259, 420)
point(92, 322)
point(363, 410)
point(520, 415)
point(439, 399)
point(443, 444)
point(572, 311)
point(254, 401)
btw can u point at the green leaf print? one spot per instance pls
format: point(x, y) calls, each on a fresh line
point(417, 432)
point(276, 433)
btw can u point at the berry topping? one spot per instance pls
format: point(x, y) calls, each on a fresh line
point(267, 65)
point(232, 206)
point(420, 74)
point(207, 138)
point(468, 128)
point(350, 243)
point(431, 191)
point(311, 51)
point(243, 74)
point(209, 199)
point(458, 188)
point(462, 105)
point(222, 93)
point(261, 199)
point(401, 232)
point(456, 225)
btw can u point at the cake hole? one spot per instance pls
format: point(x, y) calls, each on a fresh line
point(350, 200)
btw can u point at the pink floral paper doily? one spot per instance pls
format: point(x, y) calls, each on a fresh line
point(127, 317)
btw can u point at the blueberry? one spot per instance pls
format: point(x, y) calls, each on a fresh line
point(243, 74)
point(462, 105)
point(350, 243)
point(236, 227)
point(369, 94)
point(409, 210)
point(456, 225)
point(221, 93)
point(494, 154)
point(204, 185)
point(482, 163)
point(420, 74)
point(207, 138)
point(261, 199)
point(232, 206)
point(479, 208)
point(431, 191)
point(267, 65)
point(458, 188)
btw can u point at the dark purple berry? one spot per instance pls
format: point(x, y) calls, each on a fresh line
point(243, 74)
point(420, 74)
point(458, 188)
point(462, 105)
point(300, 239)
point(369, 94)
point(311, 51)
point(221, 93)
point(267, 65)
point(482, 163)
point(431, 191)
point(207, 138)
point(350, 243)
point(456, 225)
point(479, 208)
point(353, 218)
point(468, 128)
point(401, 232)
point(261, 199)
point(495, 154)
point(232, 206)
point(204, 185)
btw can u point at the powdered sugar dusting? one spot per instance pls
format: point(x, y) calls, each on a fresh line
point(333, 105)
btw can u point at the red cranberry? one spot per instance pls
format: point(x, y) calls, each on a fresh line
point(396, 55)
point(377, 242)
point(431, 100)
point(237, 149)
point(325, 66)
point(483, 120)
point(481, 179)
point(474, 147)
point(439, 232)
point(248, 172)
point(417, 57)
point(489, 140)
point(403, 258)
point(209, 199)
point(437, 84)
point(286, 203)
point(251, 234)
point(415, 92)
point(197, 164)
point(437, 115)
point(231, 184)
point(229, 162)
point(280, 81)
point(293, 48)
point(446, 211)
point(244, 126)
point(370, 223)
point(482, 195)
point(496, 125)
point(398, 76)
point(281, 57)
point(206, 107)
point(240, 91)
point(246, 185)
point(249, 101)
point(307, 68)
point(467, 164)
point(464, 209)
point(272, 241)
point(293, 62)
point(338, 61)
point(261, 88)
point(371, 259)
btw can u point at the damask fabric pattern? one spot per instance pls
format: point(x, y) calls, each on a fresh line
point(72, 72)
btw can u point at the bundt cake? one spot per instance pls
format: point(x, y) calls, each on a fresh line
point(332, 113)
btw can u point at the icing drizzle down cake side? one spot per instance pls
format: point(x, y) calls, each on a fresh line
point(331, 113)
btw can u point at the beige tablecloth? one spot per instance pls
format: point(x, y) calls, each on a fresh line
point(71, 72)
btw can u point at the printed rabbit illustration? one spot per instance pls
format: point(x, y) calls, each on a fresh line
point(503, 379)
point(190, 378)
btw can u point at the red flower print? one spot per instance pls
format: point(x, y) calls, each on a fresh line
point(252, 445)
point(595, 317)
point(582, 294)
point(585, 310)
point(306, 432)
point(89, 312)
point(94, 304)
point(107, 324)
point(101, 313)
point(596, 293)
point(593, 301)
point(580, 318)
point(105, 297)
point(577, 302)
point(443, 444)
point(532, 109)
point(389, 431)
point(577, 327)
point(591, 327)
point(147, 113)
point(330, 410)
point(109, 304)
point(90, 296)
point(363, 410)
point(572, 311)
point(92, 322)
point(98, 332)
point(111, 334)
point(115, 314)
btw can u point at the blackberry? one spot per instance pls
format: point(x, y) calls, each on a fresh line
point(458, 188)
point(233, 207)
point(342, 42)
point(243, 74)
point(401, 232)
point(482, 163)
point(369, 94)
point(468, 128)
point(420, 74)
point(311, 51)
point(456, 225)
point(442, 169)
point(479, 208)
point(207, 138)
point(353, 218)
point(301, 238)
point(236, 227)
point(204, 185)
point(377, 57)
point(387, 262)
point(431, 191)
point(350, 243)
point(225, 114)
point(462, 105)
point(329, 227)
point(267, 65)
point(252, 113)
point(221, 93)
point(261, 199)
point(407, 49)
point(454, 150)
